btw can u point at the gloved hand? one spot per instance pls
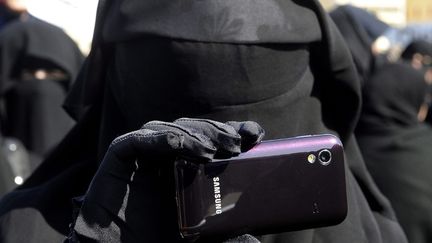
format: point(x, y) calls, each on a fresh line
point(243, 239)
point(131, 197)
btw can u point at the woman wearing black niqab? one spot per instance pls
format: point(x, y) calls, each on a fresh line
point(38, 63)
point(396, 145)
point(279, 63)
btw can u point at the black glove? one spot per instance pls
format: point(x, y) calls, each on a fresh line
point(131, 197)
point(243, 239)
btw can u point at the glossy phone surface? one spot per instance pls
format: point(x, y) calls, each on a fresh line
point(277, 186)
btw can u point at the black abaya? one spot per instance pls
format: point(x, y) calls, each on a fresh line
point(396, 146)
point(280, 63)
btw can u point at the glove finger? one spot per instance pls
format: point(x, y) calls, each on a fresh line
point(251, 133)
point(243, 239)
point(223, 136)
point(131, 145)
point(195, 145)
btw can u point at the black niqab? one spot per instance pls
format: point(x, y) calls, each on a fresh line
point(318, 93)
point(31, 107)
point(245, 21)
point(392, 99)
point(34, 43)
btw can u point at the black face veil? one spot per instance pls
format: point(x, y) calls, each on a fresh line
point(392, 99)
point(220, 72)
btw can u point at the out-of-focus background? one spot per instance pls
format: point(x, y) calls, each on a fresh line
point(76, 17)
point(394, 12)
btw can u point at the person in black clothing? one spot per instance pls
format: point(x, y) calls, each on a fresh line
point(396, 145)
point(419, 55)
point(38, 62)
point(360, 30)
point(282, 64)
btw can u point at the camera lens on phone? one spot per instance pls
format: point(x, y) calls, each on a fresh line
point(325, 157)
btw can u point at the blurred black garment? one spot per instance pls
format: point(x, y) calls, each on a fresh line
point(373, 26)
point(7, 15)
point(396, 146)
point(417, 47)
point(419, 54)
point(280, 63)
point(35, 116)
point(38, 63)
point(359, 38)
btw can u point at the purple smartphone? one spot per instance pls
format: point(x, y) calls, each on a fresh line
point(277, 186)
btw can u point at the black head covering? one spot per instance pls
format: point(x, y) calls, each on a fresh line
point(126, 20)
point(396, 147)
point(169, 67)
point(373, 26)
point(357, 38)
point(418, 46)
point(33, 43)
point(392, 98)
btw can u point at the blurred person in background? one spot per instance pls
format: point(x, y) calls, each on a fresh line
point(15, 163)
point(419, 55)
point(372, 42)
point(360, 29)
point(282, 64)
point(396, 144)
point(38, 63)
point(396, 39)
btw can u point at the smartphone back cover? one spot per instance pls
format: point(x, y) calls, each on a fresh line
point(277, 186)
